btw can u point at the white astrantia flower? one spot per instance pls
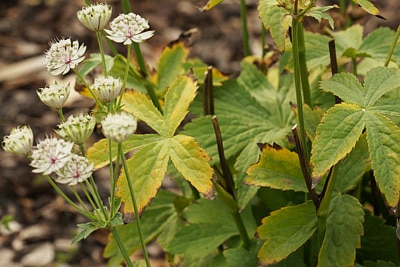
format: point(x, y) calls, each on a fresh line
point(128, 28)
point(95, 17)
point(54, 95)
point(50, 155)
point(118, 127)
point(64, 55)
point(107, 88)
point(77, 129)
point(76, 170)
point(19, 141)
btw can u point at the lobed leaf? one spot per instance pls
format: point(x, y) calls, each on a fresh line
point(336, 136)
point(275, 19)
point(192, 162)
point(278, 169)
point(344, 227)
point(142, 108)
point(147, 168)
point(177, 100)
point(346, 87)
point(383, 138)
point(170, 64)
point(285, 230)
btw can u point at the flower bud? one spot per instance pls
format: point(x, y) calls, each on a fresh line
point(19, 142)
point(77, 129)
point(95, 17)
point(119, 127)
point(54, 95)
point(107, 88)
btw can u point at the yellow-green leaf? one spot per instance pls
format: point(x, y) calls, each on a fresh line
point(367, 6)
point(278, 169)
point(99, 152)
point(210, 4)
point(147, 168)
point(142, 108)
point(170, 65)
point(177, 101)
point(336, 136)
point(192, 162)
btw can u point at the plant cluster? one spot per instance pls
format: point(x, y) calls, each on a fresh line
point(289, 164)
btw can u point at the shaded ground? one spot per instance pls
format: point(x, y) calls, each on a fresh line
point(43, 224)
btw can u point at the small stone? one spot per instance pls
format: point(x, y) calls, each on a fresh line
point(42, 255)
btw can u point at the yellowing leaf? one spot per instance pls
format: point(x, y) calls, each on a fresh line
point(170, 64)
point(210, 4)
point(177, 101)
point(278, 169)
point(142, 108)
point(146, 169)
point(367, 6)
point(192, 162)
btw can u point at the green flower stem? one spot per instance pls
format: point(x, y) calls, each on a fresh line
point(117, 238)
point(303, 65)
point(95, 194)
point(298, 84)
point(245, 31)
point(66, 198)
point(134, 203)
point(89, 198)
point(103, 60)
point(61, 114)
point(354, 65)
point(392, 47)
point(126, 6)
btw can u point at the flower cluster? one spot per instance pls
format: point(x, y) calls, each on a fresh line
point(19, 142)
point(54, 95)
point(128, 28)
point(77, 129)
point(119, 127)
point(54, 157)
point(107, 88)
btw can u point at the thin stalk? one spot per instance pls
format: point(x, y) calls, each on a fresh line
point(392, 47)
point(263, 44)
point(126, 6)
point(128, 63)
point(103, 59)
point(95, 194)
point(61, 114)
point(89, 198)
point(354, 65)
point(65, 197)
point(135, 208)
point(298, 86)
point(245, 30)
point(87, 86)
point(117, 238)
point(303, 64)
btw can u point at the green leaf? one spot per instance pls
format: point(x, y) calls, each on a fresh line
point(367, 6)
point(275, 19)
point(210, 4)
point(87, 229)
point(320, 13)
point(378, 82)
point(344, 227)
point(240, 257)
point(278, 169)
point(346, 87)
point(142, 108)
point(384, 144)
point(379, 263)
point(99, 152)
point(177, 101)
point(348, 40)
point(285, 230)
point(378, 241)
point(337, 134)
point(147, 168)
point(192, 162)
point(170, 64)
point(198, 240)
point(353, 166)
point(377, 44)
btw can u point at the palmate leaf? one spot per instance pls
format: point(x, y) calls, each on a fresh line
point(344, 226)
point(342, 125)
point(147, 167)
point(285, 230)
